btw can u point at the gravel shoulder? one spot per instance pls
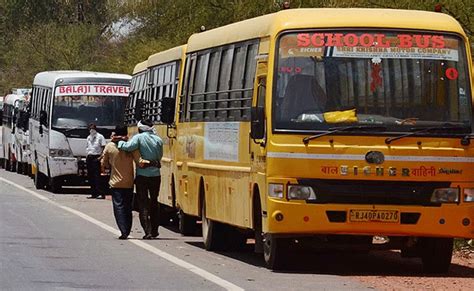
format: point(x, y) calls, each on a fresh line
point(406, 274)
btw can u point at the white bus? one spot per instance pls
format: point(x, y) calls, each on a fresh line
point(63, 103)
point(12, 103)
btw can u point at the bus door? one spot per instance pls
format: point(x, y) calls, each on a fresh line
point(257, 142)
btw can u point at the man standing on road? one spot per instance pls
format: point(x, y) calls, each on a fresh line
point(95, 146)
point(120, 164)
point(148, 177)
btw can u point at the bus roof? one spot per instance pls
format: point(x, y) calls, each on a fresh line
point(11, 98)
point(173, 54)
point(140, 67)
point(272, 24)
point(49, 78)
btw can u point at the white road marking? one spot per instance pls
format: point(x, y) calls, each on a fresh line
point(177, 261)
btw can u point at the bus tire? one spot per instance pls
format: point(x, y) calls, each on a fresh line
point(7, 165)
point(436, 255)
point(257, 224)
point(19, 168)
point(212, 232)
point(275, 252)
point(55, 185)
point(40, 180)
point(186, 223)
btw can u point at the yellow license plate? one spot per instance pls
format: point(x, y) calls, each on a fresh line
point(358, 215)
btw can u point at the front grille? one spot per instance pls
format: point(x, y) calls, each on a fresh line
point(373, 192)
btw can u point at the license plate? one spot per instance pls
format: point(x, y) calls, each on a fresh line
point(358, 215)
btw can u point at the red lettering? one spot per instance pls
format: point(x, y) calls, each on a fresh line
point(351, 40)
point(317, 40)
point(334, 39)
point(381, 41)
point(405, 41)
point(303, 39)
point(422, 41)
point(366, 40)
point(61, 90)
point(437, 41)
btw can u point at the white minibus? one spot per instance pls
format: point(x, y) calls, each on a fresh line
point(63, 104)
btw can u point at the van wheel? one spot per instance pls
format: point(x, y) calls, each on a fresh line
point(186, 223)
point(40, 180)
point(436, 255)
point(212, 232)
point(275, 252)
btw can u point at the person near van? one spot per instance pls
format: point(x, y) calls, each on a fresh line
point(95, 145)
point(120, 164)
point(148, 178)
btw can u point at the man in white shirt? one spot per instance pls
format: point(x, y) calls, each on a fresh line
point(95, 145)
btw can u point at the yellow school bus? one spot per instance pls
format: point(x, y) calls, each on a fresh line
point(326, 128)
point(153, 81)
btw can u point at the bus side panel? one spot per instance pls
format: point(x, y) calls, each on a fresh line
point(226, 183)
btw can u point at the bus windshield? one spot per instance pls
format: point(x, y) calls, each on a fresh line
point(79, 111)
point(396, 79)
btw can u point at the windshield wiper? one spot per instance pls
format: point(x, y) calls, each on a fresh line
point(447, 126)
point(68, 129)
point(341, 129)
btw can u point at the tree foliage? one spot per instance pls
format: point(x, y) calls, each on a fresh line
point(38, 35)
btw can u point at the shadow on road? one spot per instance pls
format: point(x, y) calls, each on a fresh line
point(350, 263)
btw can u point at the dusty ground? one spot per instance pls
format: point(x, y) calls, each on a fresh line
point(408, 274)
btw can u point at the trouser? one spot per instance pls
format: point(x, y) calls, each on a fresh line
point(122, 202)
point(148, 189)
point(93, 174)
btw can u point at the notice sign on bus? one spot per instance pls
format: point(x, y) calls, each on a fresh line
point(94, 90)
point(370, 45)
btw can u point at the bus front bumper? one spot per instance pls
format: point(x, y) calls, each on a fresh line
point(300, 218)
point(62, 166)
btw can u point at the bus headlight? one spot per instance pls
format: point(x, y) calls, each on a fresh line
point(60, 153)
point(275, 190)
point(445, 195)
point(300, 192)
point(468, 194)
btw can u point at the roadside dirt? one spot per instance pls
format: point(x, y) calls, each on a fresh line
point(408, 275)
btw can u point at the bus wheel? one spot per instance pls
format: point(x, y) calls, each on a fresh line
point(212, 232)
point(55, 185)
point(186, 223)
point(275, 251)
point(7, 164)
point(436, 256)
point(40, 180)
point(257, 224)
point(19, 168)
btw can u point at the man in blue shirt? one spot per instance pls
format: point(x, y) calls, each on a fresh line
point(148, 178)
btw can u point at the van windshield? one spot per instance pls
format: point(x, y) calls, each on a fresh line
point(79, 111)
point(397, 79)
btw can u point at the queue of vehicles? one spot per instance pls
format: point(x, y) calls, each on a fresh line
point(306, 127)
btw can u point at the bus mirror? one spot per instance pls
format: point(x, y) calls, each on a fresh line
point(167, 110)
point(257, 116)
point(43, 118)
point(139, 110)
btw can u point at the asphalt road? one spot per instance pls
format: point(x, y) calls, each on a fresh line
point(61, 241)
